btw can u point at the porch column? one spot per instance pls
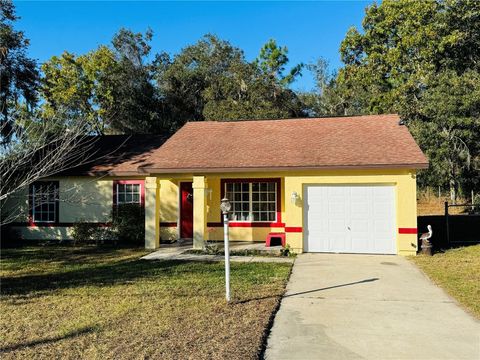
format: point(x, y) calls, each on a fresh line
point(152, 213)
point(199, 211)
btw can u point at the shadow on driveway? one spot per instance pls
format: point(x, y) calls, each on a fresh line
point(333, 287)
point(312, 291)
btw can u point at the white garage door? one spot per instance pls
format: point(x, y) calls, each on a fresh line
point(350, 219)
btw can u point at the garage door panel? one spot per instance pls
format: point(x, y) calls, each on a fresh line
point(359, 208)
point(336, 242)
point(359, 193)
point(382, 207)
point(350, 219)
point(335, 191)
point(380, 227)
point(337, 226)
point(359, 226)
point(336, 208)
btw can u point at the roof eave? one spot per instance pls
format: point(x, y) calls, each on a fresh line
point(155, 170)
point(107, 173)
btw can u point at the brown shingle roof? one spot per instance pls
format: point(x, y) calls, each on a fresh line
point(115, 155)
point(344, 142)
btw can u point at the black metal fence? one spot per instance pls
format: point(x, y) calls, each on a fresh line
point(452, 230)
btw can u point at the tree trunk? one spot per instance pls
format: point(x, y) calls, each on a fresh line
point(451, 181)
point(453, 190)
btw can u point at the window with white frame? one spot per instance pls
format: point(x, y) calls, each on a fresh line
point(44, 202)
point(129, 194)
point(252, 201)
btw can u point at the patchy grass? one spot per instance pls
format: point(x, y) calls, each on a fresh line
point(91, 303)
point(458, 272)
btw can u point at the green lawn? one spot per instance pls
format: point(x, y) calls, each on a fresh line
point(94, 303)
point(458, 272)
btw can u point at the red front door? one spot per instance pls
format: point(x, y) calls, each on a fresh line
point(186, 210)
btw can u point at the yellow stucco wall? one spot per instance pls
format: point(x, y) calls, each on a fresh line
point(169, 200)
point(86, 199)
point(292, 214)
point(90, 199)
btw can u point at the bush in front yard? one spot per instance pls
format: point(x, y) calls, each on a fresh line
point(129, 223)
point(84, 232)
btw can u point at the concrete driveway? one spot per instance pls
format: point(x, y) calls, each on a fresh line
point(368, 307)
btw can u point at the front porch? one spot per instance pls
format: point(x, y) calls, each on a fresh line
point(188, 206)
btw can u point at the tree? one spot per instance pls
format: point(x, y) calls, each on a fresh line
point(450, 130)
point(398, 63)
point(35, 151)
point(246, 95)
point(392, 57)
point(211, 80)
point(329, 97)
point(110, 88)
point(33, 145)
point(18, 73)
point(193, 77)
point(272, 61)
point(247, 92)
point(403, 43)
point(136, 104)
point(74, 87)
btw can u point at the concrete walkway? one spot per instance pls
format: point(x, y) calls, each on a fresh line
point(368, 307)
point(178, 253)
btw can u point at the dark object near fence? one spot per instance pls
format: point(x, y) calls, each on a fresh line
point(453, 230)
point(426, 247)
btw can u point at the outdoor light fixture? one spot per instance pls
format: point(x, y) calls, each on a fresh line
point(225, 206)
point(294, 197)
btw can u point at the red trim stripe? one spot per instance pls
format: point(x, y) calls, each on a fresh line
point(168, 224)
point(248, 224)
point(407, 230)
point(293, 229)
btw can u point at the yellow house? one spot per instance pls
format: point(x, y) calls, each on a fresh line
point(345, 185)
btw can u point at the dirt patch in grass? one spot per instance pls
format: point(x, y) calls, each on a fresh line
point(458, 272)
point(91, 303)
point(429, 204)
point(246, 252)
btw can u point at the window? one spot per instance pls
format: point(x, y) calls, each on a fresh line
point(129, 194)
point(44, 205)
point(252, 201)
